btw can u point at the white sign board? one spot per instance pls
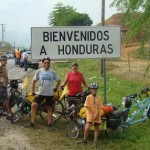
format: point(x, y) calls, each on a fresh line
point(75, 42)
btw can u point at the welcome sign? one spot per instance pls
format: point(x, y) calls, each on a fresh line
point(75, 42)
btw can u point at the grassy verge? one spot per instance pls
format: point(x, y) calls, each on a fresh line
point(134, 138)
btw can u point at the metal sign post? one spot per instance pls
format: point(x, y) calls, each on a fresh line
point(103, 61)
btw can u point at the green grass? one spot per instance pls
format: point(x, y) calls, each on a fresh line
point(134, 138)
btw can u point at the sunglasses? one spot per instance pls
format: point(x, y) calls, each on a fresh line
point(46, 62)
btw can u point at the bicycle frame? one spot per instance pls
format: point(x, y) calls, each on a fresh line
point(143, 107)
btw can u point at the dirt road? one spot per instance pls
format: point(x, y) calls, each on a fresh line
point(12, 136)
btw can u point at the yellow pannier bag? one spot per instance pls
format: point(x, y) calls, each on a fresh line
point(30, 97)
point(82, 112)
point(57, 94)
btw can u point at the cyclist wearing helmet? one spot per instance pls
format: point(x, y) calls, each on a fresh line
point(4, 84)
point(93, 104)
point(45, 77)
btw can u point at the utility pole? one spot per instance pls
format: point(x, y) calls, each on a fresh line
point(103, 61)
point(3, 30)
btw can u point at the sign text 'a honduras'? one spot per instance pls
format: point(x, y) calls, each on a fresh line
point(75, 42)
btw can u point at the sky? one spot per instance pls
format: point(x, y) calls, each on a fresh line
point(18, 16)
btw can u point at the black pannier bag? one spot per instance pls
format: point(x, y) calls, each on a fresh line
point(114, 119)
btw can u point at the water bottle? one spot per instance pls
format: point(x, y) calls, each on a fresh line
point(145, 112)
point(72, 107)
point(128, 119)
point(27, 109)
point(133, 113)
point(82, 121)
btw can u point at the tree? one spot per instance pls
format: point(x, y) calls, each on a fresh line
point(68, 16)
point(136, 23)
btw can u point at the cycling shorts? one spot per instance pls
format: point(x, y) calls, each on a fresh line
point(48, 100)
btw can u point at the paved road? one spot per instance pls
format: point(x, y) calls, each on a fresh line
point(16, 72)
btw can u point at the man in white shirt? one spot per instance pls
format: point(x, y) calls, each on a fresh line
point(25, 60)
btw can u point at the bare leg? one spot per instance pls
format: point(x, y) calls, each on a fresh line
point(34, 107)
point(96, 133)
point(87, 129)
point(7, 107)
point(49, 113)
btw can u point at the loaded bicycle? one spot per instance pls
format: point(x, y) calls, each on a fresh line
point(13, 100)
point(137, 109)
point(67, 111)
point(25, 108)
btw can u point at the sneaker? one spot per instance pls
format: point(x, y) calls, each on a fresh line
point(95, 145)
point(50, 128)
point(82, 142)
point(29, 125)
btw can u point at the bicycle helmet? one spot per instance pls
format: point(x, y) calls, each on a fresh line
point(3, 57)
point(93, 86)
point(46, 58)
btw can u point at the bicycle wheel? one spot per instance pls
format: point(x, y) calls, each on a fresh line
point(148, 113)
point(3, 111)
point(14, 101)
point(16, 116)
point(114, 132)
point(57, 111)
point(73, 130)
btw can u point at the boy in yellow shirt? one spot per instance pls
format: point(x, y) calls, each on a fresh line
point(93, 104)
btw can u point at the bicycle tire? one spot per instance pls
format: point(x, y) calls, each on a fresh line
point(16, 116)
point(2, 111)
point(14, 101)
point(148, 113)
point(73, 130)
point(114, 132)
point(57, 111)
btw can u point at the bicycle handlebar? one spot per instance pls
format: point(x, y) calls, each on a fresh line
point(84, 93)
point(15, 80)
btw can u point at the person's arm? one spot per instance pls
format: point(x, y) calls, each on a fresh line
point(65, 81)
point(57, 84)
point(33, 87)
point(84, 82)
point(98, 111)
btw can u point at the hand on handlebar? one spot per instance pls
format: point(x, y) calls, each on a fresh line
point(33, 93)
point(62, 87)
point(55, 89)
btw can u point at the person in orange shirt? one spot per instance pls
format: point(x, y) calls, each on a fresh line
point(18, 56)
point(93, 105)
